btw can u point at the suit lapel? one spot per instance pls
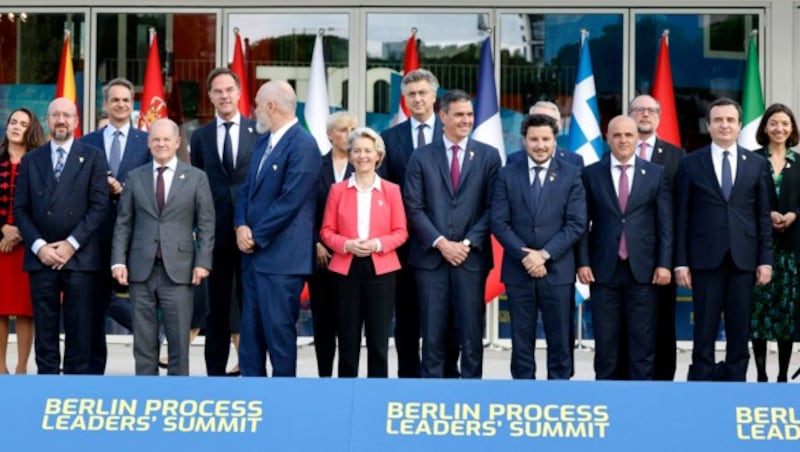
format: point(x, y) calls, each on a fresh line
point(441, 163)
point(742, 166)
point(130, 145)
point(178, 183)
point(658, 153)
point(247, 136)
point(550, 179)
point(608, 184)
point(149, 187)
point(468, 162)
point(73, 165)
point(708, 170)
point(639, 183)
point(523, 184)
point(45, 165)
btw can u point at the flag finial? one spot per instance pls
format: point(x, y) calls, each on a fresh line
point(236, 30)
point(321, 32)
point(413, 31)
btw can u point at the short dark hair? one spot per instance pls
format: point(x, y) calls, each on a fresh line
point(34, 135)
point(538, 120)
point(454, 95)
point(119, 81)
point(723, 102)
point(761, 136)
point(222, 71)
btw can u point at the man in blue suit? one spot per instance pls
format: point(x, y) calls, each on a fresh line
point(626, 253)
point(222, 148)
point(419, 91)
point(723, 240)
point(274, 221)
point(59, 205)
point(538, 214)
point(125, 149)
point(447, 195)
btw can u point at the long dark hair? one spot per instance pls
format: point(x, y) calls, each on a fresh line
point(34, 135)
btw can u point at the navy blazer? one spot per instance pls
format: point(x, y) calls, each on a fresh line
point(224, 187)
point(137, 153)
point(279, 204)
point(435, 210)
point(399, 147)
point(572, 158)
point(647, 222)
point(669, 156)
point(708, 226)
point(556, 224)
point(75, 205)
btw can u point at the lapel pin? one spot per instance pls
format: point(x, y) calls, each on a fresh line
point(182, 176)
point(380, 202)
point(274, 167)
point(552, 177)
point(249, 130)
point(471, 154)
point(744, 157)
point(788, 165)
point(644, 172)
point(80, 159)
point(660, 150)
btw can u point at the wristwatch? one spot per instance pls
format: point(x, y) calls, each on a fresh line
point(466, 243)
point(545, 255)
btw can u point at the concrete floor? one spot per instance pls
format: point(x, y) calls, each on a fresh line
point(496, 360)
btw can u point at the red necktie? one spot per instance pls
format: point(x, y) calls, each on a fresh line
point(643, 150)
point(623, 203)
point(455, 170)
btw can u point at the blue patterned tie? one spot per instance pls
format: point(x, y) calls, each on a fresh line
point(267, 152)
point(536, 185)
point(727, 178)
point(62, 158)
point(115, 154)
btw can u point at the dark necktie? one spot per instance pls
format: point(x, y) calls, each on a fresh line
point(421, 135)
point(727, 177)
point(455, 170)
point(115, 153)
point(267, 152)
point(60, 162)
point(227, 149)
point(160, 199)
point(536, 185)
point(623, 204)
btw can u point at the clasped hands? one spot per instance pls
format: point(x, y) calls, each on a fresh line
point(534, 263)
point(56, 255)
point(782, 221)
point(11, 238)
point(361, 247)
point(454, 253)
point(120, 274)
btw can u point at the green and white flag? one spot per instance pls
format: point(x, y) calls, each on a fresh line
point(752, 98)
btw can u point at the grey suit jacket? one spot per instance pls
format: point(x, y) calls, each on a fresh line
point(140, 227)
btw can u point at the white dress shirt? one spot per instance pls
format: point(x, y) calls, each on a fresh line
point(716, 159)
point(364, 203)
point(651, 144)
point(108, 136)
point(236, 120)
point(542, 172)
point(617, 172)
point(428, 131)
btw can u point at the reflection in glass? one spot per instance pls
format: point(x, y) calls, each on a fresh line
point(707, 55)
point(539, 60)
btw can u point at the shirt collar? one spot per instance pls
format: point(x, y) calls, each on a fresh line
point(67, 146)
point(545, 165)
point(237, 119)
point(716, 150)
point(276, 136)
point(110, 129)
point(615, 162)
point(651, 142)
point(430, 122)
point(172, 164)
point(461, 144)
point(376, 185)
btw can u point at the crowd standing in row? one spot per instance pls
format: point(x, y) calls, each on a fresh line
point(397, 224)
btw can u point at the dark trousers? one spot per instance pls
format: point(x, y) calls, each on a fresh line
point(623, 312)
point(323, 289)
point(269, 314)
point(365, 299)
point(726, 291)
point(666, 348)
point(224, 289)
point(451, 299)
point(47, 288)
point(555, 302)
point(175, 302)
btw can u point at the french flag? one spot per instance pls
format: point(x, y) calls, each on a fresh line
point(488, 127)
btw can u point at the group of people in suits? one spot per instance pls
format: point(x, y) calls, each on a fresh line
point(399, 225)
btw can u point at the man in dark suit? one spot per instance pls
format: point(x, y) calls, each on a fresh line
point(627, 251)
point(646, 111)
point(723, 240)
point(545, 107)
point(423, 127)
point(274, 220)
point(222, 148)
point(447, 195)
point(163, 207)
point(60, 202)
point(125, 149)
point(538, 214)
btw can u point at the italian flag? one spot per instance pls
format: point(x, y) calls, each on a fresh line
point(752, 98)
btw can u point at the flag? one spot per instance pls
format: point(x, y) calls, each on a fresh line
point(153, 105)
point(664, 93)
point(489, 130)
point(410, 63)
point(65, 86)
point(752, 98)
point(239, 68)
point(584, 125)
point(316, 109)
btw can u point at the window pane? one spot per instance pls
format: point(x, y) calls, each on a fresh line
point(707, 58)
point(451, 52)
point(281, 46)
point(30, 52)
point(539, 61)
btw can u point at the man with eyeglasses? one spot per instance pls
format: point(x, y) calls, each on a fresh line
point(646, 111)
point(60, 202)
point(222, 148)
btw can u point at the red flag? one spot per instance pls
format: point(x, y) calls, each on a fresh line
point(239, 68)
point(410, 63)
point(153, 105)
point(495, 287)
point(664, 93)
point(65, 86)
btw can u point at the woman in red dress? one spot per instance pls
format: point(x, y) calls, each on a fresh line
point(23, 133)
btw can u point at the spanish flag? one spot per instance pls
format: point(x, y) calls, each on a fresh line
point(153, 104)
point(65, 86)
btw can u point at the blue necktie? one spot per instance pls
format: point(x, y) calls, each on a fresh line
point(62, 158)
point(536, 185)
point(115, 153)
point(421, 135)
point(727, 178)
point(227, 149)
point(267, 152)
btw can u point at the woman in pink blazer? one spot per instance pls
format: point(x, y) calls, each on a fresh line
point(364, 223)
